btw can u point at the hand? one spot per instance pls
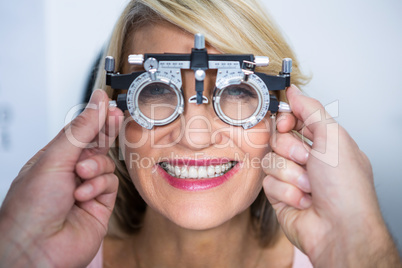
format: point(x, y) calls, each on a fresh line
point(324, 195)
point(57, 210)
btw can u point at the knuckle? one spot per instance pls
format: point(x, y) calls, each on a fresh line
point(106, 163)
point(82, 122)
point(291, 195)
point(111, 183)
point(115, 182)
point(102, 182)
point(79, 122)
point(111, 163)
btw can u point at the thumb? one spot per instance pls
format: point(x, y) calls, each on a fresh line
point(76, 136)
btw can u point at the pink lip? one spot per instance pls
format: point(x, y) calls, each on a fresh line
point(197, 184)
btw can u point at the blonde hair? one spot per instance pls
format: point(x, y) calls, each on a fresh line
point(231, 26)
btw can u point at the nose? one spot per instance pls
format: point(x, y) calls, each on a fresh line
point(198, 126)
point(198, 123)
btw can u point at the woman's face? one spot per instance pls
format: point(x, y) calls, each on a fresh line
point(216, 167)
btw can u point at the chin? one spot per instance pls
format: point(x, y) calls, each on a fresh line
point(201, 218)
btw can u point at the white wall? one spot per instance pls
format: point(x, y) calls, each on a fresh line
point(23, 95)
point(352, 49)
point(46, 51)
point(75, 33)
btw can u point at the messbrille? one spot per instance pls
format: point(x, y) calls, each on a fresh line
point(241, 96)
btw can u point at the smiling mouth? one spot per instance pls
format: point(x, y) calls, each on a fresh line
point(197, 172)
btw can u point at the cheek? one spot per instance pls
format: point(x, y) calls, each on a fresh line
point(133, 135)
point(259, 135)
point(141, 150)
point(196, 210)
point(254, 142)
point(134, 142)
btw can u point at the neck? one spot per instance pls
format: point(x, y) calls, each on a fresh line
point(162, 243)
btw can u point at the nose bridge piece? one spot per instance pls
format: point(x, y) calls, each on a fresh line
point(193, 99)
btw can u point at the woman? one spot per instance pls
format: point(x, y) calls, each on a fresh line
point(58, 208)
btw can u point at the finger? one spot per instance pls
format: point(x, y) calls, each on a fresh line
point(303, 131)
point(287, 171)
point(101, 185)
point(94, 166)
point(290, 146)
point(78, 134)
point(285, 122)
point(100, 198)
point(283, 192)
point(312, 114)
point(107, 135)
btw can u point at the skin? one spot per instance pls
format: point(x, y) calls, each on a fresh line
point(343, 209)
point(203, 209)
point(50, 218)
point(196, 224)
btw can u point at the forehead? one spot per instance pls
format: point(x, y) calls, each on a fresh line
point(162, 37)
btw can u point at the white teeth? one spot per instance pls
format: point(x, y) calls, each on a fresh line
point(211, 171)
point(202, 172)
point(218, 169)
point(192, 172)
point(184, 172)
point(197, 172)
point(177, 171)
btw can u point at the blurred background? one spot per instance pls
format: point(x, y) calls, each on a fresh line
point(352, 49)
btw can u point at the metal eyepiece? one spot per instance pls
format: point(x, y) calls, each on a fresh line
point(109, 64)
point(199, 41)
point(136, 59)
point(286, 65)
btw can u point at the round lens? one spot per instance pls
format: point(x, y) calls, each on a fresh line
point(157, 101)
point(239, 102)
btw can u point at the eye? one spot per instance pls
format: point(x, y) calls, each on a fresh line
point(156, 89)
point(157, 101)
point(157, 93)
point(235, 91)
point(239, 101)
point(239, 91)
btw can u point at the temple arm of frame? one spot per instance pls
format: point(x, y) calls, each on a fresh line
point(121, 81)
point(275, 82)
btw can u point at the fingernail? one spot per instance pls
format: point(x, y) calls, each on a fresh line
point(305, 202)
point(89, 165)
point(86, 189)
point(299, 154)
point(304, 183)
point(95, 97)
